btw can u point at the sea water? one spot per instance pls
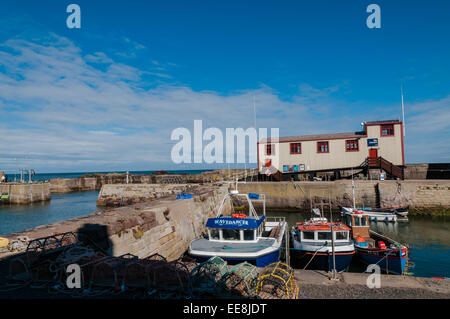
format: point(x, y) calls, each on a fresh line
point(428, 239)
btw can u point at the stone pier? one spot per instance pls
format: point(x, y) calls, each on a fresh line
point(24, 193)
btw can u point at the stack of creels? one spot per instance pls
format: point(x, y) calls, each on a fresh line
point(108, 272)
point(171, 277)
point(242, 279)
point(37, 264)
point(210, 276)
point(276, 281)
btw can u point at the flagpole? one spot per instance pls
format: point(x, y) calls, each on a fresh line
point(403, 114)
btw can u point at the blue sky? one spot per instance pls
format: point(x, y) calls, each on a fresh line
point(107, 96)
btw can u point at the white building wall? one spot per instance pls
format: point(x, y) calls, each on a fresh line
point(389, 147)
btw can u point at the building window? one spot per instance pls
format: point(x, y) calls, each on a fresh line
point(296, 148)
point(270, 149)
point(387, 130)
point(351, 145)
point(322, 147)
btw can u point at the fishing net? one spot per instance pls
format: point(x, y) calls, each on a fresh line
point(276, 281)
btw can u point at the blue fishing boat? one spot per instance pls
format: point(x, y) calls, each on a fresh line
point(374, 248)
point(314, 246)
point(242, 237)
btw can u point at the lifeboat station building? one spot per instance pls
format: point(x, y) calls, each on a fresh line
point(377, 152)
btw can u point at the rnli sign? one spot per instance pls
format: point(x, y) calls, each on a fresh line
point(371, 142)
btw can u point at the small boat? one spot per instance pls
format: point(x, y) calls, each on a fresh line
point(374, 248)
point(242, 237)
point(401, 211)
point(379, 216)
point(313, 245)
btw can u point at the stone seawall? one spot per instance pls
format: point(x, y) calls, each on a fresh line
point(24, 193)
point(96, 181)
point(127, 194)
point(296, 195)
point(164, 226)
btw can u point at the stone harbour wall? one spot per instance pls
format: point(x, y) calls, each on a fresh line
point(96, 181)
point(296, 195)
point(165, 226)
point(127, 194)
point(25, 193)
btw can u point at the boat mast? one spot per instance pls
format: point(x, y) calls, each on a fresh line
point(353, 191)
point(332, 249)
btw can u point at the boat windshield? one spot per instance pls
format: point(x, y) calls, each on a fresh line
point(308, 235)
point(214, 233)
point(322, 235)
point(249, 234)
point(363, 221)
point(231, 234)
point(341, 235)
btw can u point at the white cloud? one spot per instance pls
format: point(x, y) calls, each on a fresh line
point(66, 113)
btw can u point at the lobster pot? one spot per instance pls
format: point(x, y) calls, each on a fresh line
point(276, 281)
point(242, 279)
point(209, 275)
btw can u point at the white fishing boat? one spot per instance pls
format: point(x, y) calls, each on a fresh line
point(317, 242)
point(242, 237)
point(378, 216)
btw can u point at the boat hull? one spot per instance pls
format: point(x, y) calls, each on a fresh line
point(322, 260)
point(390, 262)
point(258, 261)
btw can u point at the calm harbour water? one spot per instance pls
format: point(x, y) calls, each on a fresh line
point(61, 207)
point(428, 239)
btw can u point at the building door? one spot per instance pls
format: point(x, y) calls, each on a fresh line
point(373, 157)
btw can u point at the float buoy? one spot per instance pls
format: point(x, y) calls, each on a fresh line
point(3, 242)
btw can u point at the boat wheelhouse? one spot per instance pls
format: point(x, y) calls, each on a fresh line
point(374, 248)
point(313, 245)
point(242, 237)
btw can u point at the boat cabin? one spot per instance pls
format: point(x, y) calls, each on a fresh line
point(359, 224)
point(235, 228)
point(321, 232)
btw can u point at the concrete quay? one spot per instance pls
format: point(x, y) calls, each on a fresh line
point(318, 285)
